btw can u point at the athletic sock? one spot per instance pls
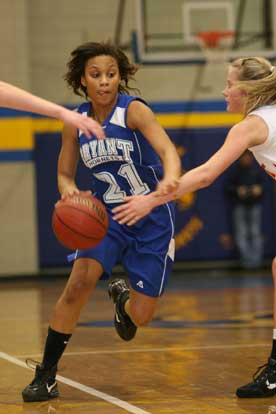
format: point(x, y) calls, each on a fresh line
point(273, 351)
point(56, 343)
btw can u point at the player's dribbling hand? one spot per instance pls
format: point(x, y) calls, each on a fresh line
point(71, 191)
point(135, 208)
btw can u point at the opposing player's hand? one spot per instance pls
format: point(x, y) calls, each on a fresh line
point(135, 208)
point(166, 186)
point(87, 125)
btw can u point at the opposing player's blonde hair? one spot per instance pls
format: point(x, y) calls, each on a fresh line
point(257, 78)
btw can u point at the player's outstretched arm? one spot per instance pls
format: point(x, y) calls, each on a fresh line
point(137, 207)
point(242, 136)
point(13, 97)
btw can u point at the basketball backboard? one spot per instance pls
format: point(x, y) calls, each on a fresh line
point(166, 30)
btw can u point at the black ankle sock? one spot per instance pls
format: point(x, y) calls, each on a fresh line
point(273, 351)
point(55, 345)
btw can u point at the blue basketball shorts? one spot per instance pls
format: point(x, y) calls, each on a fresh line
point(146, 250)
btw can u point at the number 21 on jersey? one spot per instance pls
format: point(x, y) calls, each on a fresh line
point(114, 194)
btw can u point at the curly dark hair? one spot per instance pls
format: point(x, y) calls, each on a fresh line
point(80, 56)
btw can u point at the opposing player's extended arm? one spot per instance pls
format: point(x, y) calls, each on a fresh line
point(252, 131)
point(247, 133)
point(142, 118)
point(67, 162)
point(13, 97)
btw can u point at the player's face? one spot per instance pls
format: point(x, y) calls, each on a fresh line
point(101, 78)
point(235, 98)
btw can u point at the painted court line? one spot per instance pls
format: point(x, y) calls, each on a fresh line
point(92, 391)
point(145, 350)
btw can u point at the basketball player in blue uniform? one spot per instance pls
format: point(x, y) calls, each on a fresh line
point(136, 157)
point(13, 97)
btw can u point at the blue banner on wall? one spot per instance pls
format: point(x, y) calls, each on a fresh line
point(203, 219)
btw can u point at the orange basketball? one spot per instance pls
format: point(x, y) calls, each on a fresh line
point(80, 221)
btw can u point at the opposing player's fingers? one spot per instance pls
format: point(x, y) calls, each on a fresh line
point(86, 132)
point(121, 215)
point(123, 220)
point(101, 133)
point(95, 129)
point(132, 221)
point(116, 217)
point(128, 198)
point(120, 208)
point(116, 210)
point(126, 219)
point(98, 131)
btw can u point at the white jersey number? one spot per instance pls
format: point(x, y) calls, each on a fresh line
point(114, 194)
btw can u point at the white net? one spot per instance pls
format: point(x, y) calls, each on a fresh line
point(215, 47)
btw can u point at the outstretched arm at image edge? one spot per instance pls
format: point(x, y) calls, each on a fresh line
point(13, 97)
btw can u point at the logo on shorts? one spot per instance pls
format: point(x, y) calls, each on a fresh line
point(140, 284)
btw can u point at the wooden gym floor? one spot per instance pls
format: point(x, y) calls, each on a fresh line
point(209, 335)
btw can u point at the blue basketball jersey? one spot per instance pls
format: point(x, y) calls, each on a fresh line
point(122, 164)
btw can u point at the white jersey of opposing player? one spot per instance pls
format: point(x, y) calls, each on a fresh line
point(265, 153)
